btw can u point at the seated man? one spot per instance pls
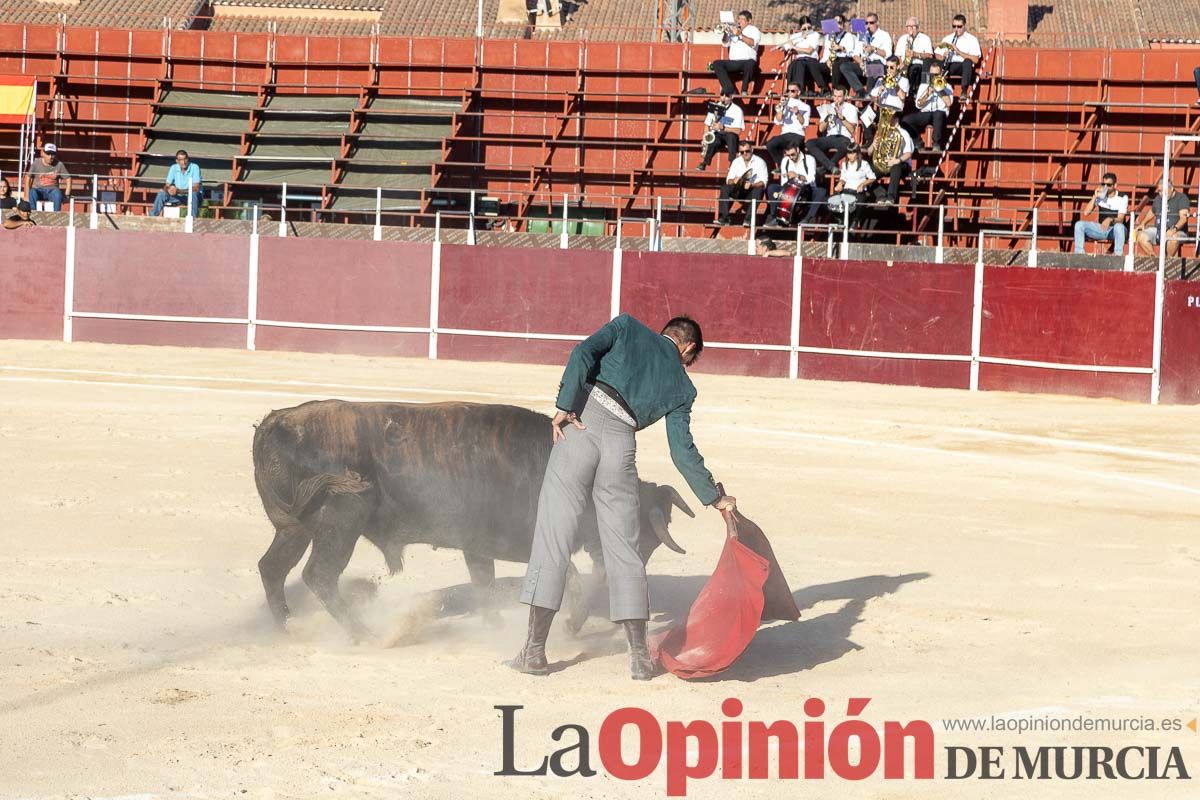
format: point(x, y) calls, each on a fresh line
point(1178, 207)
point(802, 171)
point(854, 179)
point(728, 125)
point(7, 200)
point(1114, 209)
point(44, 180)
point(792, 116)
point(182, 176)
point(889, 92)
point(20, 217)
point(746, 181)
point(899, 167)
point(960, 53)
point(806, 69)
point(839, 119)
point(932, 104)
point(742, 57)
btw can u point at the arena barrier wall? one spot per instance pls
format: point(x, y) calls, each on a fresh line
point(1085, 332)
point(32, 276)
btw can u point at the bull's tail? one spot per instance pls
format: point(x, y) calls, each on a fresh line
point(270, 472)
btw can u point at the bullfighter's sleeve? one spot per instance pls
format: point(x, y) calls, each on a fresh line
point(687, 458)
point(583, 361)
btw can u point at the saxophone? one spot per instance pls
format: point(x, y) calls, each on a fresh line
point(908, 51)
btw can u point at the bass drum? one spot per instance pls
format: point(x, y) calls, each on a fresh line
point(792, 198)
point(841, 203)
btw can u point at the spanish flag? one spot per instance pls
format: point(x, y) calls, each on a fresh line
point(17, 95)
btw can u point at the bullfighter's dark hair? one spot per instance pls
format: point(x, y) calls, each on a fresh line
point(685, 330)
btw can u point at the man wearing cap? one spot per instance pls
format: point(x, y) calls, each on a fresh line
point(44, 178)
point(184, 175)
point(20, 218)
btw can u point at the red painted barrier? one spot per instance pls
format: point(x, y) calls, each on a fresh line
point(355, 282)
point(165, 274)
point(736, 299)
point(31, 283)
point(1067, 316)
point(1180, 368)
point(904, 308)
point(520, 290)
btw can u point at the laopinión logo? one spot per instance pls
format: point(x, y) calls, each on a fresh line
point(852, 749)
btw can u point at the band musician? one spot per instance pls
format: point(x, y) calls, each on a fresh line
point(839, 122)
point(792, 115)
point(746, 181)
point(726, 121)
point(800, 173)
point(933, 101)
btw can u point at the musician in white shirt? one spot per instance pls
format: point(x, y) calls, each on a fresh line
point(855, 178)
point(846, 47)
point(728, 128)
point(899, 167)
point(742, 57)
point(839, 120)
point(801, 170)
point(746, 181)
point(960, 53)
point(932, 107)
point(885, 96)
point(921, 47)
point(1114, 211)
point(876, 47)
point(806, 69)
point(793, 120)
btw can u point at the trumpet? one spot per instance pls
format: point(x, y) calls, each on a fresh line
point(938, 83)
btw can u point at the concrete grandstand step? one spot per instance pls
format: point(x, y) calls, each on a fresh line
point(370, 177)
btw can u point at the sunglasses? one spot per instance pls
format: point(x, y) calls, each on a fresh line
point(793, 91)
point(956, 25)
point(1109, 185)
point(743, 152)
point(872, 22)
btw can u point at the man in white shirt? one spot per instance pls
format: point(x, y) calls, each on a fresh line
point(847, 47)
point(801, 170)
point(885, 96)
point(1114, 211)
point(876, 48)
point(899, 167)
point(728, 127)
point(793, 122)
point(959, 52)
point(742, 42)
point(932, 107)
point(746, 181)
point(806, 69)
point(920, 46)
point(839, 120)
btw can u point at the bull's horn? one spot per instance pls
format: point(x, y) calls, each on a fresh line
point(677, 501)
point(658, 521)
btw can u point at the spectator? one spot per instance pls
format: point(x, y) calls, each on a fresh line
point(7, 200)
point(742, 42)
point(806, 69)
point(45, 179)
point(839, 119)
point(183, 175)
point(746, 181)
point(727, 126)
point(960, 52)
point(791, 115)
point(1178, 207)
point(932, 105)
point(20, 218)
point(1114, 209)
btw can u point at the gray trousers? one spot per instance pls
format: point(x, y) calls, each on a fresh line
point(599, 461)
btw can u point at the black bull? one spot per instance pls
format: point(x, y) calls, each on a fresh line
point(457, 475)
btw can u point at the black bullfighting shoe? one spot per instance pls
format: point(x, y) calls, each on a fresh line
point(532, 658)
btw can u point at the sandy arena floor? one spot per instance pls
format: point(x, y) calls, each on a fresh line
point(953, 555)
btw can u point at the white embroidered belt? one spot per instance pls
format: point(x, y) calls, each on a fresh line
point(612, 406)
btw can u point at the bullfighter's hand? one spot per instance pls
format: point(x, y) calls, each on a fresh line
point(562, 418)
point(725, 503)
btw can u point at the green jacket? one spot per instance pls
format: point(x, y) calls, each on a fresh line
point(644, 367)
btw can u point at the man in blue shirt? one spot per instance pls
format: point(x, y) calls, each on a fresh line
point(625, 377)
point(182, 176)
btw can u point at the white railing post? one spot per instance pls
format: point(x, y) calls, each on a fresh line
point(939, 253)
point(829, 242)
point(753, 227)
point(797, 275)
point(69, 279)
point(1161, 273)
point(618, 242)
point(1033, 244)
point(435, 284)
point(977, 317)
point(845, 231)
point(657, 243)
point(93, 222)
point(252, 284)
point(187, 221)
point(479, 21)
point(1131, 239)
point(283, 212)
point(378, 213)
point(562, 239)
point(614, 301)
point(471, 221)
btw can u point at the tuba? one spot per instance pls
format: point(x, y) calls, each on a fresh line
point(888, 141)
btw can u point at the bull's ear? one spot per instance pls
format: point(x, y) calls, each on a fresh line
point(677, 500)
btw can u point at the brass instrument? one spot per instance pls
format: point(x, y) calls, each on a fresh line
point(887, 142)
point(781, 106)
point(938, 83)
point(908, 51)
point(831, 51)
point(891, 81)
